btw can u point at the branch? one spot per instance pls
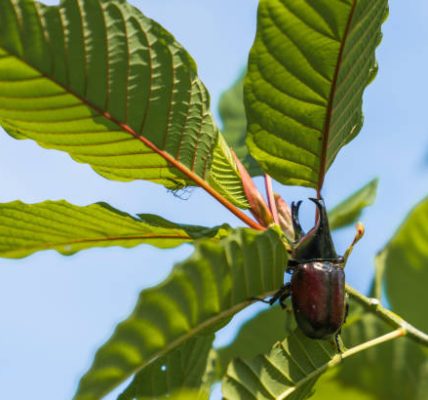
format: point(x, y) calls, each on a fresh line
point(373, 305)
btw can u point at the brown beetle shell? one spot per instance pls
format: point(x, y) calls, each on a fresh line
point(318, 298)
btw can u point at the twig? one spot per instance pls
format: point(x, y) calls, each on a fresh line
point(338, 358)
point(373, 305)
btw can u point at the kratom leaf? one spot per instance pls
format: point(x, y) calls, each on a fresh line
point(377, 287)
point(175, 373)
point(186, 395)
point(257, 336)
point(289, 371)
point(394, 370)
point(66, 228)
point(111, 87)
point(181, 395)
point(308, 68)
point(406, 267)
point(329, 387)
point(199, 297)
point(232, 112)
point(349, 210)
point(220, 178)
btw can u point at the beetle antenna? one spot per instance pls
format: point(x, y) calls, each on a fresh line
point(358, 235)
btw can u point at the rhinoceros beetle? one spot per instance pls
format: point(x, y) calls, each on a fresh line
point(317, 286)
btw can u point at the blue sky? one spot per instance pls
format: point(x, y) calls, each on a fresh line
point(55, 311)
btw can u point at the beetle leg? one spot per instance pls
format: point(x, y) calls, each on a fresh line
point(286, 293)
point(338, 342)
point(346, 312)
point(298, 231)
point(280, 296)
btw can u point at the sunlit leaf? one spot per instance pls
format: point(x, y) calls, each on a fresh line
point(394, 370)
point(199, 297)
point(173, 374)
point(406, 267)
point(232, 112)
point(111, 87)
point(66, 228)
point(307, 71)
point(257, 336)
point(289, 371)
point(349, 210)
point(329, 387)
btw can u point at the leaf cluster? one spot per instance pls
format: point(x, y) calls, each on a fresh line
point(104, 83)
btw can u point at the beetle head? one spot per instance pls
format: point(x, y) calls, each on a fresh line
point(317, 244)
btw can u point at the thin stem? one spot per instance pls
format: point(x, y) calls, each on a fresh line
point(397, 333)
point(373, 305)
point(358, 235)
point(271, 198)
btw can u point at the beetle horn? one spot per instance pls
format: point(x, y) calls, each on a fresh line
point(317, 244)
point(298, 231)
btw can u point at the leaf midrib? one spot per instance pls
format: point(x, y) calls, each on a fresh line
point(329, 113)
point(199, 181)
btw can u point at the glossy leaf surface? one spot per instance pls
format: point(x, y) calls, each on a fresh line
point(66, 228)
point(308, 68)
point(111, 87)
point(200, 295)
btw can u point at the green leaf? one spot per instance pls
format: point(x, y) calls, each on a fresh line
point(232, 112)
point(178, 371)
point(257, 336)
point(289, 371)
point(66, 228)
point(199, 297)
point(308, 68)
point(349, 210)
point(109, 86)
point(329, 387)
point(406, 267)
point(187, 394)
point(395, 370)
point(220, 178)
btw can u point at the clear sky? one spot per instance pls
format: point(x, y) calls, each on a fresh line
point(55, 311)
